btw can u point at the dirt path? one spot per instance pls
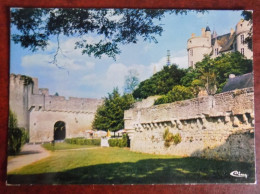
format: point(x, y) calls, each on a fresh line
point(30, 153)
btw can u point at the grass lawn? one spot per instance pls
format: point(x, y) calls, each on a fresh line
point(65, 146)
point(121, 166)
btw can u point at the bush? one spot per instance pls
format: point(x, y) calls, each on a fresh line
point(177, 138)
point(122, 142)
point(82, 141)
point(177, 93)
point(17, 137)
point(25, 136)
point(170, 138)
point(14, 140)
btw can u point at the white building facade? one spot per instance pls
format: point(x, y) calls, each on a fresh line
point(212, 44)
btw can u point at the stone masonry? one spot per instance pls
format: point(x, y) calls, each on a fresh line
point(219, 126)
point(38, 111)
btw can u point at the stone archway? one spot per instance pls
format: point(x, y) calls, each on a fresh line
point(59, 130)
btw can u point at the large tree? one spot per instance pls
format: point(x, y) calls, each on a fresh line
point(160, 83)
point(110, 116)
point(112, 27)
point(210, 73)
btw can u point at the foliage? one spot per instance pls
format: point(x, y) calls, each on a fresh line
point(212, 74)
point(14, 140)
point(27, 80)
point(208, 74)
point(178, 93)
point(231, 63)
point(12, 120)
point(169, 138)
point(83, 141)
point(113, 27)
point(177, 138)
point(17, 137)
point(110, 115)
point(119, 142)
point(25, 136)
point(160, 83)
point(131, 81)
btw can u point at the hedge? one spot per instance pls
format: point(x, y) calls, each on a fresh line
point(122, 142)
point(83, 141)
point(17, 137)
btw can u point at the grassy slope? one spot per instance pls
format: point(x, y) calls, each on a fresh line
point(121, 166)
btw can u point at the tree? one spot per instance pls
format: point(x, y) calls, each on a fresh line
point(110, 115)
point(208, 74)
point(112, 27)
point(131, 81)
point(213, 74)
point(177, 93)
point(160, 83)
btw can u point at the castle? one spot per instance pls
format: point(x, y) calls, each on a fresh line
point(212, 44)
point(49, 117)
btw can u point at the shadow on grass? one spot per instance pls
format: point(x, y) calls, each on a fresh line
point(157, 171)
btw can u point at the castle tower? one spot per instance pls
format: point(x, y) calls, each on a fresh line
point(242, 29)
point(198, 46)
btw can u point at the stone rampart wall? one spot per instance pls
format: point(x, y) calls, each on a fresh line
point(212, 127)
point(42, 124)
point(38, 111)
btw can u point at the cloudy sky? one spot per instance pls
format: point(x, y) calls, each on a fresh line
point(84, 76)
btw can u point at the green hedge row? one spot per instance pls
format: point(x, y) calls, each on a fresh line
point(17, 137)
point(82, 141)
point(122, 142)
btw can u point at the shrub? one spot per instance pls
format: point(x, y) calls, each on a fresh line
point(14, 140)
point(177, 138)
point(17, 137)
point(25, 136)
point(170, 138)
point(82, 141)
point(12, 120)
point(122, 142)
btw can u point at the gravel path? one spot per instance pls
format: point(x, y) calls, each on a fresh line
point(29, 154)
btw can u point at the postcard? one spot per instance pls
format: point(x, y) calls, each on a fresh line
point(131, 96)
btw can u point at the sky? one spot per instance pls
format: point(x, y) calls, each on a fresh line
point(89, 77)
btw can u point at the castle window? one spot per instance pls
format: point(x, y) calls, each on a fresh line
point(191, 52)
point(216, 51)
point(191, 63)
point(242, 51)
point(242, 39)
